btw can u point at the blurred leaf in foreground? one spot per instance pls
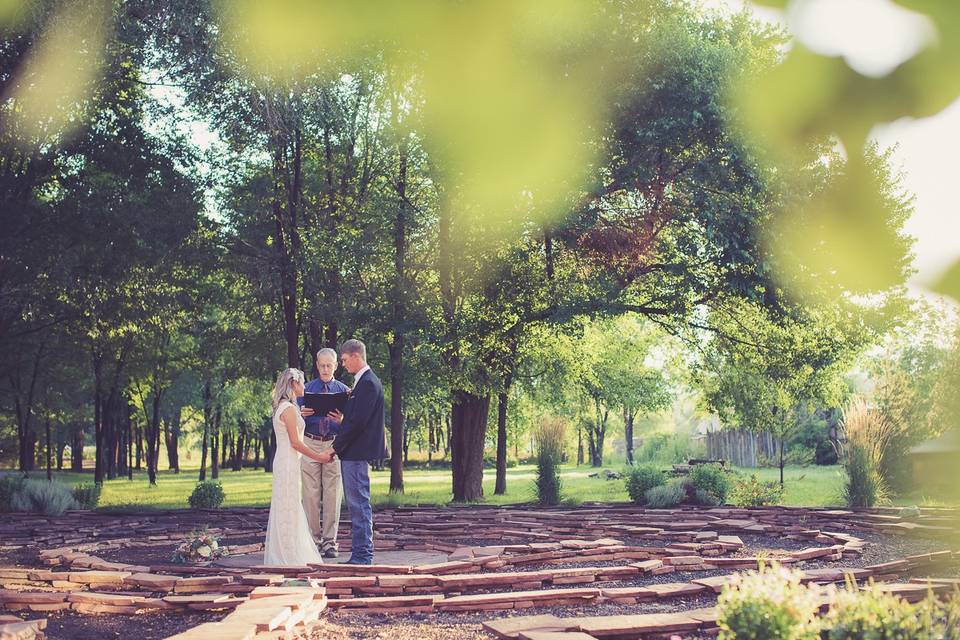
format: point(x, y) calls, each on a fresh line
point(43, 98)
point(511, 90)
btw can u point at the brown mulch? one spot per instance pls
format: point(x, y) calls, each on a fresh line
point(162, 554)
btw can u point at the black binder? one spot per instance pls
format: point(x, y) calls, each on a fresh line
point(324, 403)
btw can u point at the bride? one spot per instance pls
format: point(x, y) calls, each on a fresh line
point(289, 542)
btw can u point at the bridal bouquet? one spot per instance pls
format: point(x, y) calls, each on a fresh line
point(199, 547)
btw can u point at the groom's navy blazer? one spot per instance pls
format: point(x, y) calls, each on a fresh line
point(362, 435)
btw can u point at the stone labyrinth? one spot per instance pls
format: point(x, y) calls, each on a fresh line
point(522, 572)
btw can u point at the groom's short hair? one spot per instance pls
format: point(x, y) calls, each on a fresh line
point(354, 346)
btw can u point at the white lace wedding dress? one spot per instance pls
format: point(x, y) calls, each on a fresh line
point(289, 542)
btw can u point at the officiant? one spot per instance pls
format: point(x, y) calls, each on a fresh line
point(322, 491)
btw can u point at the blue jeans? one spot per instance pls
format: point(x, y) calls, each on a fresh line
point(356, 489)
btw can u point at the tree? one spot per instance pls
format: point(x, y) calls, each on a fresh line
point(760, 382)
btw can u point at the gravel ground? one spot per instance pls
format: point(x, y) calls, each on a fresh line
point(461, 626)
point(66, 625)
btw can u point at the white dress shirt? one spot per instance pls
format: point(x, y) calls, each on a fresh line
point(359, 375)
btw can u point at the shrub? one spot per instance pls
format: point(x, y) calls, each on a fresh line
point(549, 438)
point(667, 495)
point(871, 613)
point(40, 496)
point(10, 485)
point(710, 478)
point(866, 432)
point(87, 495)
point(668, 448)
point(641, 479)
point(207, 495)
point(705, 498)
point(768, 604)
point(753, 492)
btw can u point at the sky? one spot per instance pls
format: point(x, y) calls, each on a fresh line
point(874, 36)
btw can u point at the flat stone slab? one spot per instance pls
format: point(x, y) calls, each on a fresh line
point(510, 628)
point(411, 558)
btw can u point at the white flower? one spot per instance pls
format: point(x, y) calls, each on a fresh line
point(204, 551)
point(214, 545)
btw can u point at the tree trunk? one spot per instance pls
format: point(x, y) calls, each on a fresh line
point(284, 243)
point(129, 437)
point(49, 453)
point(397, 419)
point(26, 438)
point(61, 445)
point(628, 433)
point(500, 487)
point(579, 442)
point(153, 434)
point(215, 444)
point(469, 430)
point(76, 449)
point(98, 469)
point(429, 419)
point(207, 419)
point(398, 318)
point(138, 435)
point(171, 437)
point(270, 446)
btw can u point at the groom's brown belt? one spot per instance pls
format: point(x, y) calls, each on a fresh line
point(320, 438)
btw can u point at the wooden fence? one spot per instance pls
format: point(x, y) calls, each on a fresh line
point(741, 448)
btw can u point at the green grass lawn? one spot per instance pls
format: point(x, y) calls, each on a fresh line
point(805, 486)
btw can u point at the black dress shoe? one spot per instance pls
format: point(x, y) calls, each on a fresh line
point(330, 552)
point(355, 561)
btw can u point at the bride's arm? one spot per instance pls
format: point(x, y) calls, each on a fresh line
point(289, 418)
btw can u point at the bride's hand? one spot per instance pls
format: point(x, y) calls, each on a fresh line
point(325, 458)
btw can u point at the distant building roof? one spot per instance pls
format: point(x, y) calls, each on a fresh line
point(949, 442)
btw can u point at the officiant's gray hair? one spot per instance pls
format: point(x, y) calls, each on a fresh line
point(330, 353)
point(283, 390)
point(354, 346)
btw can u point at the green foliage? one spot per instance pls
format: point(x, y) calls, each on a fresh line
point(705, 498)
point(768, 604)
point(87, 494)
point(40, 496)
point(207, 495)
point(871, 614)
point(664, 496)
point(812, 438)
point(550, 444)
point(10, 485)
point(642, 478)
point(710, 478)
point(753, 492)
point(665, 448)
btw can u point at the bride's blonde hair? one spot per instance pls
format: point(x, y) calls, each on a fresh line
point(283, 390)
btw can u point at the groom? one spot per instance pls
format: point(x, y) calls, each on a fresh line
point(361, 438)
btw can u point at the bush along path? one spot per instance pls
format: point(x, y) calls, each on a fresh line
point(604, 564)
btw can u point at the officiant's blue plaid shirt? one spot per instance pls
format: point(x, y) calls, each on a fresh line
point(322, 425)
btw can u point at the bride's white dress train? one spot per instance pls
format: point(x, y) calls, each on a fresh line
point(289, 542)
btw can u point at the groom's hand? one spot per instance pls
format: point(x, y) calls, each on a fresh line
point(306, 412)
point(336, 416)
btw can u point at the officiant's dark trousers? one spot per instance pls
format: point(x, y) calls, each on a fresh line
point(356, 489)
